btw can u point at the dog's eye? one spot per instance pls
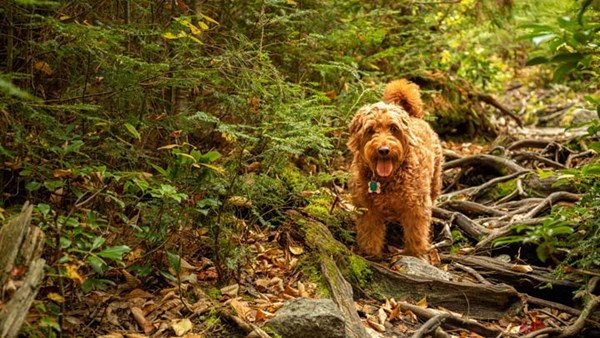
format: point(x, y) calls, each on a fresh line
point(394, 129)
point(370, 131)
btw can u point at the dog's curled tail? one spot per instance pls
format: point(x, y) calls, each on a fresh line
point(405, 94)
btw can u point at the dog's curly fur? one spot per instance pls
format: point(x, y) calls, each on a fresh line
point(395, 150)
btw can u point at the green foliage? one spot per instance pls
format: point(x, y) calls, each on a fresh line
point(568, 42)
point(547, 237)
point(572, 228)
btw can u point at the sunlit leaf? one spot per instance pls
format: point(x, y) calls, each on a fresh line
point(537, 40)
point(169, 36)
point(131, 129)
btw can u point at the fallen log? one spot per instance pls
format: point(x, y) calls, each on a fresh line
point(22, 243)
point(473, 300)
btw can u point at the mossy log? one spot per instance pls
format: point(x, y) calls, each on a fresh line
point(376, 280)
point(22, 243)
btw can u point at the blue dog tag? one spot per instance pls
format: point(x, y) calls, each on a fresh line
point(375, 187)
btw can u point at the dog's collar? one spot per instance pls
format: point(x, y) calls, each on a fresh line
point(374, 186)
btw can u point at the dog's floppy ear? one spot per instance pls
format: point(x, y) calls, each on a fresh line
point(406, 95)
point(355, 127)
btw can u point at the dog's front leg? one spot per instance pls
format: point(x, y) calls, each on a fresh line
point(416, 225)
point(370, 233)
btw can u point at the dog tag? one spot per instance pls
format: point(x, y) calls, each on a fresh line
point(375, 187)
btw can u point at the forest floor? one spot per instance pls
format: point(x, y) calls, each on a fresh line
point(488, 189)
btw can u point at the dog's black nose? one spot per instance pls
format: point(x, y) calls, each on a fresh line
point(383, 151)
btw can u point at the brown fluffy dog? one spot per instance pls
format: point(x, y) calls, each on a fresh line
point(396, 168)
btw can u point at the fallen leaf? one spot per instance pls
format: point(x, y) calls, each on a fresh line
point(422, 302)
point(139, 317)
point(138, 293)
point(72, 273)
point(60, 173)
point(291, 291)
point(375, 325)
point(239, 308)
point(395, 313)
point(182, 326)
point(43, 67)
point(131, 282)
point(231, 290)
point(381, 316)
point(262, 315)
point(296, 250)
point(521, 268)
point(53, 296)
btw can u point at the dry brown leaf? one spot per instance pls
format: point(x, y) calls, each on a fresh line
point(277, 283)
point(138, 293)
point(262, 315)
point(291, 291)
point(139, 317)
point(521, 268)
point(465, 251)
point(302, 290)
point(375, 325)
point(231, 290)
point(181, 326)
point(43, 67)
point(131, 282)
point(239, 308)
point(395, 313)
point(262, 283)
point(60, 173)
point(381, 316)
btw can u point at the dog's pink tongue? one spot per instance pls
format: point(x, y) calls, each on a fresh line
point(384, 168)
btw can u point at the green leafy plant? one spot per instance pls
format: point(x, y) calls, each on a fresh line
point(571, 42)
point(547, 237)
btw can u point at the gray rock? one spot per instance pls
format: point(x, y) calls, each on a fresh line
point(312, 318)
point(415, 266)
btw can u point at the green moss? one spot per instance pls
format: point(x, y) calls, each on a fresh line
point(312, 270)
point(213, 293)
point(502, 189)
point(359, 270)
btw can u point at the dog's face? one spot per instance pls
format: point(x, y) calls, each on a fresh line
point(380, 136)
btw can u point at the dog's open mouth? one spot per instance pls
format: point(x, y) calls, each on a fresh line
point(384, 167)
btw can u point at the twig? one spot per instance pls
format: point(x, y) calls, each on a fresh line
point(471, 207)
point(590, 306)
point(493, 102)
point(474, 273)
point(473, 229)
point(430, 325)
point(451, 320)
point(526, 155)
point(571, 157)
point(528, 143)
point(552, 199)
